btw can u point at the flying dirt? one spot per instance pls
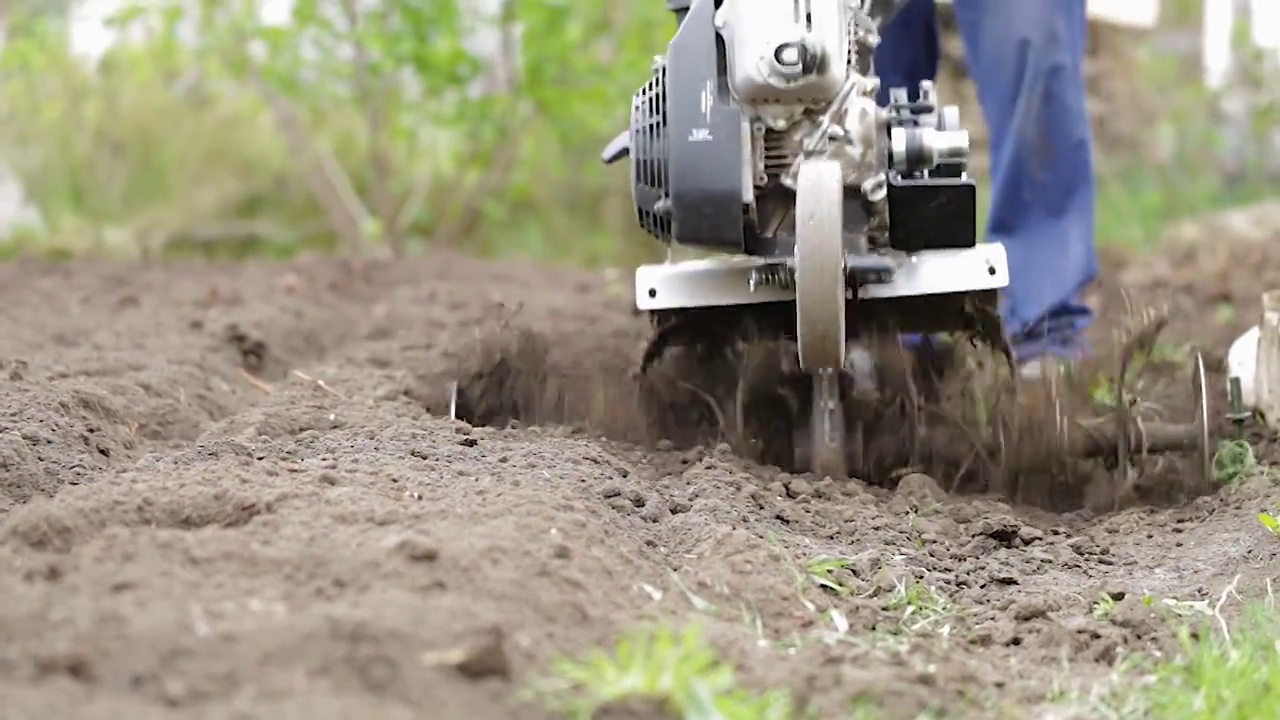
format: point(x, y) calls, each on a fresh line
point(235, 491)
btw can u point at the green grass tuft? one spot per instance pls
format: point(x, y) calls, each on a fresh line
point(675, 670)
point(1215, 677)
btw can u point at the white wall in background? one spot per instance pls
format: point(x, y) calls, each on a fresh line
point(91, 35)
point(1129, 13)
point(1218, 32)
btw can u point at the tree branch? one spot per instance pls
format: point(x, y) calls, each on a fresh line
point(328, 183)
point(373, 94)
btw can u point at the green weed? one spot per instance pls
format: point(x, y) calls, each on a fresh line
point(676, 670)
point(918, 606)
point(1233, 461)
point(821, 572)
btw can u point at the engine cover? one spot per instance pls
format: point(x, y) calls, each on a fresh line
point(785, 52)
point(650, 188)
point(688, 150)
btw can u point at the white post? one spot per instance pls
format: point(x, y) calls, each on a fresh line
point(1236, 97)
point(1267, 382)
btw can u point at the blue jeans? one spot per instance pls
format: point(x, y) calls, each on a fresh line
point(1026, 58)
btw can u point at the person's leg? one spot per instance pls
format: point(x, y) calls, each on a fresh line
point(1026, 58)
point(908, 51)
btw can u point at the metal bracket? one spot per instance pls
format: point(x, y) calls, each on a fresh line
point(727, 281)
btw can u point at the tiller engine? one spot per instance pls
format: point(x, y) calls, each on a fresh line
point(827, 219)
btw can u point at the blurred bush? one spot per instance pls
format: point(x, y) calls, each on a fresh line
point(380, 127)
point(368, 127)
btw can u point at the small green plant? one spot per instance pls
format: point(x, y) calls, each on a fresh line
point(1270, 522)
point(1233, 462)
point(674, 669)
point(1105, 605)
point(1224, 313)
point(1103, 392)
point(1102, 387)
point(919, 605)
point(1169, 353)
point(821, 572)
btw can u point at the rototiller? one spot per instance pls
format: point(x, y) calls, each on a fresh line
point(758, 140)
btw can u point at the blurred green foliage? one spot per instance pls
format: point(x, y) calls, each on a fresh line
point(1184, 169)
point(374, 128)
point(212, 135)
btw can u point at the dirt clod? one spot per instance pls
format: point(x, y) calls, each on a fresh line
point(920, 490)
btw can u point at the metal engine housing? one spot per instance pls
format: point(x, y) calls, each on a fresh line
point(687, 142)
point(786, 53)
point(749, 87)
point(649, 184)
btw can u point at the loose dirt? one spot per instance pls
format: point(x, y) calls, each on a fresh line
point(233, 491)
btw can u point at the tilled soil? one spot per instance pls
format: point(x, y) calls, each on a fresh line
point(228, 491)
